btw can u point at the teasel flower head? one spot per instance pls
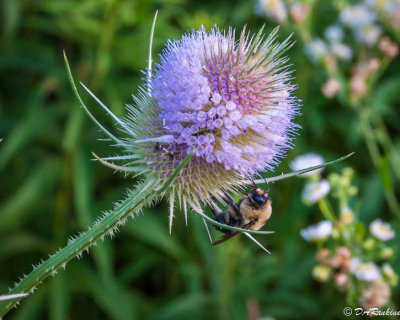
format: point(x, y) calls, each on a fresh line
point(229, 102)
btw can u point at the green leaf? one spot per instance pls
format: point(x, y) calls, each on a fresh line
point(14, 212)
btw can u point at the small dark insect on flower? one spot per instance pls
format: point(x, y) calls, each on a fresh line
point(252, 212)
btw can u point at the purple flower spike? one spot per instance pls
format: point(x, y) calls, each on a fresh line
point(237, 92)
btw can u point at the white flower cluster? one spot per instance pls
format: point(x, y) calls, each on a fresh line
point(333, 44)
point(362, 20)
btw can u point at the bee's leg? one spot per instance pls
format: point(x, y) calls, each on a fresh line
point(232, 202)
point(220, 217)
point(251, 199)
point(266, 182)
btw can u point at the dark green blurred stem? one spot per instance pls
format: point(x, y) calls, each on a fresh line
point(376, 157)
point(377, 123)
point(383, 138)
point(102, 63)
point(375, 134)
point(227, 260)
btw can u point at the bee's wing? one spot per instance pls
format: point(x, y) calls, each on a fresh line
point(230, 236)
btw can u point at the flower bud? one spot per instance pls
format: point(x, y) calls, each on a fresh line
point(330, 88)
point(344, 252)
point(369, 244)
point(322, 255)
point(341, 279)
point(299, 12)
point(373, 65)
point(389, 48)
point(387, 253)
point(321, 273)
point(389, 273)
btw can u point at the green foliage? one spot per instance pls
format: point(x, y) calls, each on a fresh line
point(50, 189)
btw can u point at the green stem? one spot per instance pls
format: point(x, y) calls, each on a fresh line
point(145, 193)
point(383, 137)
point(107, 225)
point(375, 154)
point(326, 209)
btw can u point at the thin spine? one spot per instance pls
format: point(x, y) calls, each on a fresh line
point(299, 172)
point(119, 168)
point(118, 141)
point(150, 65)
point(208, 231)
point(171, 210)
point(108, 110)
point(256, 242)
point(185, 211)
point(127, 157)
point(13, 296)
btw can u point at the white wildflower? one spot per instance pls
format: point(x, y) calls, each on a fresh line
point(317, 231)
point(316, 190)
point(364, 271)
point(382, 5)
point(334, 33)
point(368, 34)
point(381, 230)
point(274, 9)
point(305, 161)
point(341, 50)
point(316, 49)
point(346, 215)
point(357, 16)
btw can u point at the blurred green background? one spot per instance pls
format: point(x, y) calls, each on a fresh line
point(50, 188)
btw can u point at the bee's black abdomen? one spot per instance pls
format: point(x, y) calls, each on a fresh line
point(226, 218)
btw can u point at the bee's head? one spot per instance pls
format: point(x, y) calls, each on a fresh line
point(259, 196)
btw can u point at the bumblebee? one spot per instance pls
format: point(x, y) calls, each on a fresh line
point(252, 212)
